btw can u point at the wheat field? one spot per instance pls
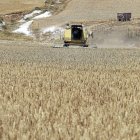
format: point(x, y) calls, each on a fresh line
point(48, 94)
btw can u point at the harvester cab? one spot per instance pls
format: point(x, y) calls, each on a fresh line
point(75, 34)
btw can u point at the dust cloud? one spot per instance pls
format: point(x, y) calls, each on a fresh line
point(117, 37)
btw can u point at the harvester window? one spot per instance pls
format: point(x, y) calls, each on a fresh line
point(77, 32)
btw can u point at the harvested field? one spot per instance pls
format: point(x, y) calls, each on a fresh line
point(92, 10)
point(117, 35)
point(69, 93)
point(10, 6)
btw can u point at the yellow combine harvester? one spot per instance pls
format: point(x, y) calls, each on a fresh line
point(75, 34)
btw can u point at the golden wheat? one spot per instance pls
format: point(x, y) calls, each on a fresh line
point(69, 93)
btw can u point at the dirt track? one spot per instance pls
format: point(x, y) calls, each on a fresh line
point(91, 10)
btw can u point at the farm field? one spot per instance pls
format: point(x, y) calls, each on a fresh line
point(78, 93)
point(10, 6)
point(69, 93)
point(91, 10)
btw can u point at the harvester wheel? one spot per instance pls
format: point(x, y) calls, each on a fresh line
point(85, 45)
point(65, 45)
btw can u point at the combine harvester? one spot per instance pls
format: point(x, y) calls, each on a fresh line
point(75, 35)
